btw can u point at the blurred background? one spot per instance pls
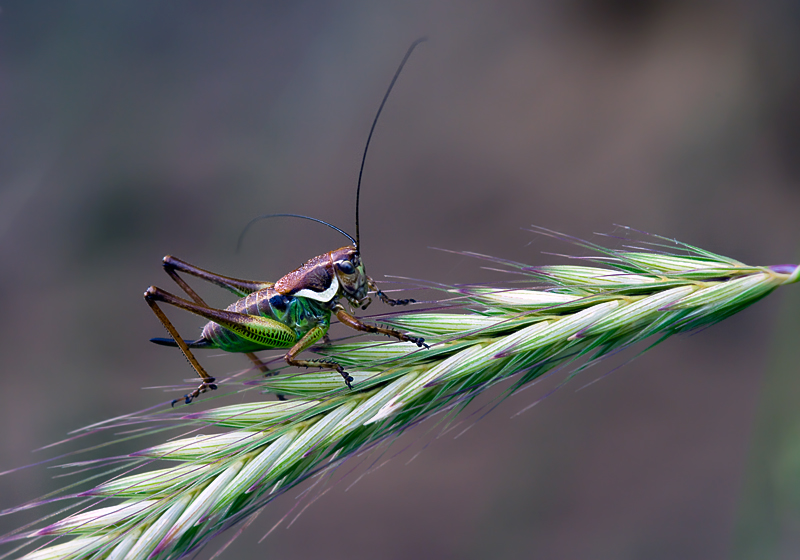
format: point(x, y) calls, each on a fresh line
point(130, 130)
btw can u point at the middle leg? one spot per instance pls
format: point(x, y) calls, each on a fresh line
point(357, 324)
point(307, 341)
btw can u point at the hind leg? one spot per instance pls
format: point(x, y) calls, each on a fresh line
point(208, 381)
point(261, 330)
point(239, 287)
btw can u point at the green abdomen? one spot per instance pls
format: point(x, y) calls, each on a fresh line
point(299, 314)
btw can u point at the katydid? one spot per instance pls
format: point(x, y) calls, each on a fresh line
point(293, 313)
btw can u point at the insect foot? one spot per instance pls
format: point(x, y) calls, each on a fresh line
point(419, 341)
point(322, 364)
point(202, 388)
point(348, 379)
point(389, 301)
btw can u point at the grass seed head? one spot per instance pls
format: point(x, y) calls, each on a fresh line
point(566, 314)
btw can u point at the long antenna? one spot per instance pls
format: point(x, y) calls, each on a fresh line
point(374, 122)
point(265, 216)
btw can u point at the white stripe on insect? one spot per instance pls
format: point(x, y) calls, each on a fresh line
point(327, 295)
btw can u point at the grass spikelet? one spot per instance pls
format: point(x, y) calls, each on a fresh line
point(195, 487)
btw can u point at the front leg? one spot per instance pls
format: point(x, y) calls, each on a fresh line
point(357, 324)
point(386, 299)
point(307, 341)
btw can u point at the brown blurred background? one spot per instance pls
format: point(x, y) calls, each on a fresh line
point(130, 130)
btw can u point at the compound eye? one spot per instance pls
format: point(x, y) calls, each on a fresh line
point(346, 267)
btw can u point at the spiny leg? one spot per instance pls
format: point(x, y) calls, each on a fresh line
point(386, 299)
point(307, 341)
point(208, 381)
point(261, 330)
point(357, 324)
point(264, 331)
point(239, 287)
